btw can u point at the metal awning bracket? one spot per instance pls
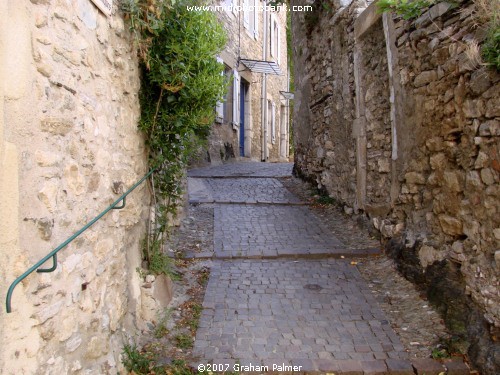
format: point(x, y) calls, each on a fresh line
point(262, 66)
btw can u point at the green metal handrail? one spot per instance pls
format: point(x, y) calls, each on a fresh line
point(53, 253)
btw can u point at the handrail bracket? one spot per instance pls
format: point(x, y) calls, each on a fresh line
point(53, 253)
point(124, 200)
point(51, 269)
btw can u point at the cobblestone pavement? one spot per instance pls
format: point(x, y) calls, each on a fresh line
point(306, 313)
point(352, 231)
point(196, 234)
point(250, 190)
point(420, 328)
point(318, 314)
point(244, 169)
point(269, 231)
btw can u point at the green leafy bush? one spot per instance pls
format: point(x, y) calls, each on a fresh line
point(486, 15)
point(135, 361)
point(491, 48)
point(181, 84)
point(408, 9)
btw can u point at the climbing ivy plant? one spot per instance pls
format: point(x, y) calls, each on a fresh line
point(180, 86)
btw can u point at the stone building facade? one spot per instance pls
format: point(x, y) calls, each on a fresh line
point(394, 121)
point(238, 130)
point(69, 146)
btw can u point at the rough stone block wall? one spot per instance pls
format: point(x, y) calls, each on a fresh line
point(375, 90)
point(70, 146)
point(324, 99)
point(440, 174)
point(450, 192)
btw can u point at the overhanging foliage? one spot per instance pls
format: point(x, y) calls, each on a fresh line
point(181, 84)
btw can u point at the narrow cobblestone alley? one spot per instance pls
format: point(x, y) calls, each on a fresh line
point(284, 290)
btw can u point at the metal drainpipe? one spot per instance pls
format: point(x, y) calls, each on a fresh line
point(264, 89)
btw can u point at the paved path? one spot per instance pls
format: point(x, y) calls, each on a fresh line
point(250, 190)
point(270, 231)
point(248, 169)
point(270, 301)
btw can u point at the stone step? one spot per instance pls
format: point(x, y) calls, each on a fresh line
point(334, 253)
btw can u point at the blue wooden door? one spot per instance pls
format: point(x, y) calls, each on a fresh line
point(242, 118)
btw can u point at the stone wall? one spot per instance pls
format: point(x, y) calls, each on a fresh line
point(423, 153)
point(374, 88)
point(450, 183)
point(69, 146)
point(324, 99)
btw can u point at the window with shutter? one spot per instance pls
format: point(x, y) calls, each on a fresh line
point(273, 123)
point(246, 14)
point(236, 99)
point(219, 108)
point(256, 19)
point(228, 99)
point(278, 43)
point(271, 39)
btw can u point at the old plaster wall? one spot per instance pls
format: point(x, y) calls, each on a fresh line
point(426, 153)
point(69, 146)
